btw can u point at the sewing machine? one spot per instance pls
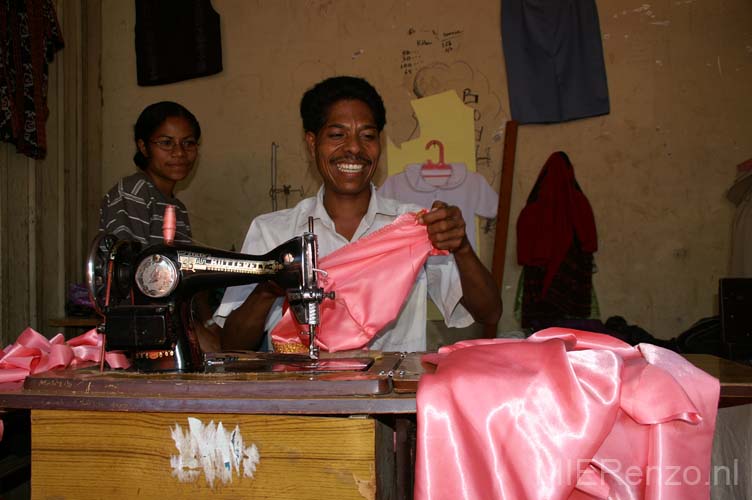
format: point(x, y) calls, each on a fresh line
point(144, 294)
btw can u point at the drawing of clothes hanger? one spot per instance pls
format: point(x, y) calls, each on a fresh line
point(436, 174)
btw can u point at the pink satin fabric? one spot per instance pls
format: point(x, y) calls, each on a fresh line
point(371, 278)
point(34, 353)
point(564, 414)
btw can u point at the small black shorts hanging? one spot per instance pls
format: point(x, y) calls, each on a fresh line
point(176, 40)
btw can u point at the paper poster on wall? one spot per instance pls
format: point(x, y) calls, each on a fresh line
point(442, 117)
point(417, 174)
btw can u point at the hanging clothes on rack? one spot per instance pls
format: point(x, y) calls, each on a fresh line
point(29, 37)
point(452, 183)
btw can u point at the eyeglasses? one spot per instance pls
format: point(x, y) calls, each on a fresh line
point(170, 144)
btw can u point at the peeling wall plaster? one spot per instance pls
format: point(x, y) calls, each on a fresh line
point(218, 453)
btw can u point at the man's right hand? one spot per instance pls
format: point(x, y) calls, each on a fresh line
point(244, 327)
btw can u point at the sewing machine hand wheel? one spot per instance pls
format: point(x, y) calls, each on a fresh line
point(96, 270)
point(104, 282)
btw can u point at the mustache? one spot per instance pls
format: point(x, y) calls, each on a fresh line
point(352, 159)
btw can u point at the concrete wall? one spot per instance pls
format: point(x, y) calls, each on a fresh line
point(46, 206)
point(655, 169)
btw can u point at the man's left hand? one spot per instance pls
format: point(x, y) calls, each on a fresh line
point(446, 227)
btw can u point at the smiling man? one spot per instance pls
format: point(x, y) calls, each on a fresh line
point(343, 118)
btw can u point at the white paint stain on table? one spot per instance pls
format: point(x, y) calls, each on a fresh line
point(210, 448)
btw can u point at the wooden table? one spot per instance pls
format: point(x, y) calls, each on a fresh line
point(110, 435)
point(333, 436)
point(736, 378)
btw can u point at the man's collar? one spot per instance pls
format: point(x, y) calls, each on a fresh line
point(380, 206)
point(315, 210)
point(376, 206)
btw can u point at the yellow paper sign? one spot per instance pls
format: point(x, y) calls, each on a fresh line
point(443, 117)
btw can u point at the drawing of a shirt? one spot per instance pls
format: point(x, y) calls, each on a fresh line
point(465, 189)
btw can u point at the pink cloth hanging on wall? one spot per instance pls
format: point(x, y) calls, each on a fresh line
point(564, 414)
point(371, 278)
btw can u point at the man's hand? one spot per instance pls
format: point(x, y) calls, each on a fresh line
point(244, 327)
point(269, 289)
point(446, 230)
point(446, 227)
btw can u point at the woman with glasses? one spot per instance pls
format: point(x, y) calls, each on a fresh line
point(166, 136)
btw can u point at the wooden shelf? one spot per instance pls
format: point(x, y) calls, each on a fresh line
point(74, 321)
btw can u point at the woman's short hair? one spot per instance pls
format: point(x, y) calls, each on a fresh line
point(152, 117)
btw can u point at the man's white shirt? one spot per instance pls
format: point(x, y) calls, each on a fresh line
point(439, 277)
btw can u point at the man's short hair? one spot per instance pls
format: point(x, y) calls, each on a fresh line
point(317, 100)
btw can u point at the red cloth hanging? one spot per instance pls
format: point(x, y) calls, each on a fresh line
point(556, 212)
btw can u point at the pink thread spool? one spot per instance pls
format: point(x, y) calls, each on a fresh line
point(169, 224)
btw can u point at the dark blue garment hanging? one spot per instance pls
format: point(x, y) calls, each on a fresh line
point(554, 60)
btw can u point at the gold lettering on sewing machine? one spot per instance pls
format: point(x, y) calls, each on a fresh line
point(193, 261)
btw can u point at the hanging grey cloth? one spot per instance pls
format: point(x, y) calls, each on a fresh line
point(554, 60)
point(176, 40)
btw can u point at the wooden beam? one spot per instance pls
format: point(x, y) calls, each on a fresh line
point(502, 213)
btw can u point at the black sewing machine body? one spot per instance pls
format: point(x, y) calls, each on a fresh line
point(144, 294)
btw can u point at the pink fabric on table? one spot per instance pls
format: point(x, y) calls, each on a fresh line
point(34, 353)
point(371, 278)
point(564, 414)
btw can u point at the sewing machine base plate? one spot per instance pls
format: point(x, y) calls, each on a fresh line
point(255, 375)
point(258, 362)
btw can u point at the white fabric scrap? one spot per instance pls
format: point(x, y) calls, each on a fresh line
point(214, 450)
